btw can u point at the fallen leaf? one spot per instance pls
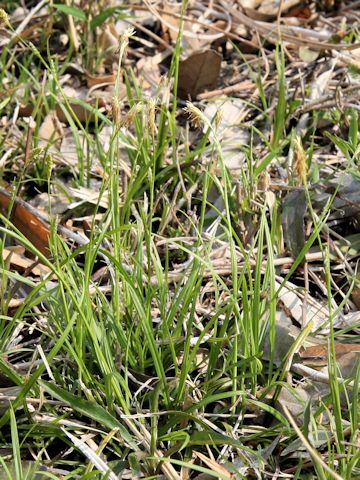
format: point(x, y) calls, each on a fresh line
point(15, 302)
point(87, 195)
point(347, 188)
point(93, 80)
point(321, 438)
point(300, 11)
point(267, 10)
point(318, 354)
point(348, 363)
point(355, 297)
point(294, 400)
point(193, 38)
point(24, 219)
point(200, 361)
point(233, 136)
point(149, 68)
point(308, 55)
point(50, 130)
point(169, 20)
point(108, 41)
point(199, 72)
point(294, 208)
point(19, 260)
point(84, 110)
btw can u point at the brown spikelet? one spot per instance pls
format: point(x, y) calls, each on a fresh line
point(300, 164)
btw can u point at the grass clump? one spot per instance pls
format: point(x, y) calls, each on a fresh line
point(166, 334)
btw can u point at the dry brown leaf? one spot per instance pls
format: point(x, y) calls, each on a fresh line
point(95, 80)
point(199, 72)
point(348, 362)
point(300, 11)
point(294, 399)
point(88, 195)
point(316, 40)
point(355, 297)
point(15, 302)
point(82, 114)
point(267, 10)
point(214, 466)
point(233, 136)
point(168, 18)
point(193, 38)
point(25, 220)
point(148, 67)
point(19, 260)
point(108, 41)
point(50, 129)
point(318, 354)
point(201, 359)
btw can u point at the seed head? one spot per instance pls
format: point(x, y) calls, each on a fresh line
point(49, 165)
point(151, 108)
point(124, 41)
point(300, 165)
point(218, 117)
point(4, 17)
point(131, 114)
point(36, 153)
point(123, 44)
point(196, 117)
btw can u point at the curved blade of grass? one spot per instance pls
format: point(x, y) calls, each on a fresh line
point(214, 438)
point(10, 373)
point(321, 466)
point(197, 468)
point(93, 457)
point(90, 409)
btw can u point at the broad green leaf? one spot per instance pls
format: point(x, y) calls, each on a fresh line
point(102, 17)
point(343, 145)
point(70, 10)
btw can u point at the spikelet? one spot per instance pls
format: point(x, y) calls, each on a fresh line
point(151, 108)
point(49, 165)
point(4, 18)
point(116, 103)
point(129, 118)
point(218, 118)
point(196, 116)
point(300, 165)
